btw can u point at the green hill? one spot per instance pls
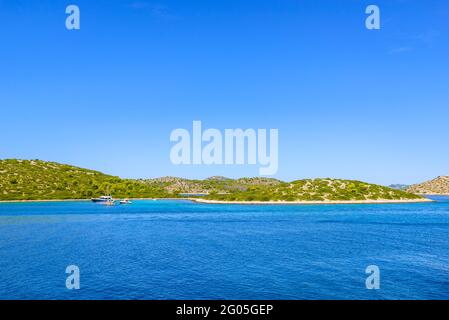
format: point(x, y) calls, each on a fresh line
point(40, 180)
point(315, 190)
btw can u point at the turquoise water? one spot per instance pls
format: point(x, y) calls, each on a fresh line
point(182, 250)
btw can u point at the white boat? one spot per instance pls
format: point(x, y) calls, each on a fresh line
point(109, 203)
point(102, 199)
point(125, 201)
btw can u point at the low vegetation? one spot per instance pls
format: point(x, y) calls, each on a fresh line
point(40, 180)
point(316, 190)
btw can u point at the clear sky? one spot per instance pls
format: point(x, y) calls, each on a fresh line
point(348, 102)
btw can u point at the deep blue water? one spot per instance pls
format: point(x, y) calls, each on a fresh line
point(182, 250)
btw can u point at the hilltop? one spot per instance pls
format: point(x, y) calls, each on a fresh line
point(41, 180)
point(326, 189)
point(439, 185)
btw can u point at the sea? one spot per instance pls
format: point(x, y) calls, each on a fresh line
point(170, 249)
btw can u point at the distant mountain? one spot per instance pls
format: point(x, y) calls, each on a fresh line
point(402, 187)
point(210, 185)
point(40, 180)
point(218, 178)
point(439, 185)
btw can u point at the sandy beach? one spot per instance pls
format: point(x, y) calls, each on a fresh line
point(206, 201)
point(312, 202)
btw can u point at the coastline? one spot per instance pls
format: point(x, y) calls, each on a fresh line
point(386, 201)
point(49, 200)
point(206, 201)
point(81, 200)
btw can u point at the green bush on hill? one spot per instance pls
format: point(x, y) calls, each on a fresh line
point(40, 180)
point(316, 190)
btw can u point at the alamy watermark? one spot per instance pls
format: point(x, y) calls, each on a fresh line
point(73, 20)
point(213, 147)
point(373, 280)
point(72, 282)
point(372, 22)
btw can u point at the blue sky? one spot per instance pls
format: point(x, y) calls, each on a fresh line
point(348, 102)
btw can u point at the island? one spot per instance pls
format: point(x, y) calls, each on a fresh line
point(437, 186)
point(37, 180)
